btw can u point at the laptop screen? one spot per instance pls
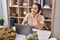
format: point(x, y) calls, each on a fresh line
point(23, 29)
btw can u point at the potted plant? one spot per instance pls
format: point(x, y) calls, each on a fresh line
point(1, 22)
point(32, 37)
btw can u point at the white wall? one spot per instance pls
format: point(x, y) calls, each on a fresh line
point(57, 20)
point(4, 8)
point(1, 13)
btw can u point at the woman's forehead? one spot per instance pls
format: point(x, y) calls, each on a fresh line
point(35, 6)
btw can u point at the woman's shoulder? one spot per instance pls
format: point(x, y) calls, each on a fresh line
point(28, 14)
point(41, 19)
point(41, 16)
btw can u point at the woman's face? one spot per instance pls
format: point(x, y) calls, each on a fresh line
point(34, 9)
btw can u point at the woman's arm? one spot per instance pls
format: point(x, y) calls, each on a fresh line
point(39, 23)
point(25, 20)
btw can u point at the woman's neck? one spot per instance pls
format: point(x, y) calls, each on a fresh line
point(33, 15)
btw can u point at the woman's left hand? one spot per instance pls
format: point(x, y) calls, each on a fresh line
point(36, 17)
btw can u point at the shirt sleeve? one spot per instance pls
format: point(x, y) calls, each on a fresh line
point(26, 17)
point(41, 19)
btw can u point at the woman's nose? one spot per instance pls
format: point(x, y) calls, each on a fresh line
point(33, 10)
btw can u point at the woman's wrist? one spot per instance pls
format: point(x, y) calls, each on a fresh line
point(36, 20)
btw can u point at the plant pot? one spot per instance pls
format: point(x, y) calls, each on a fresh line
point(1, 24)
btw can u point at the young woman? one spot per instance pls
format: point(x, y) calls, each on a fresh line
point(34, 18)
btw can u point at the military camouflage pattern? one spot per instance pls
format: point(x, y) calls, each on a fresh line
point(7, 33)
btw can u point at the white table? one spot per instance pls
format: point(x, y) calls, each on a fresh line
point(42, 35)
point(20, 37)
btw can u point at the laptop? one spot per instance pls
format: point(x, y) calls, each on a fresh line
point(23, 29)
